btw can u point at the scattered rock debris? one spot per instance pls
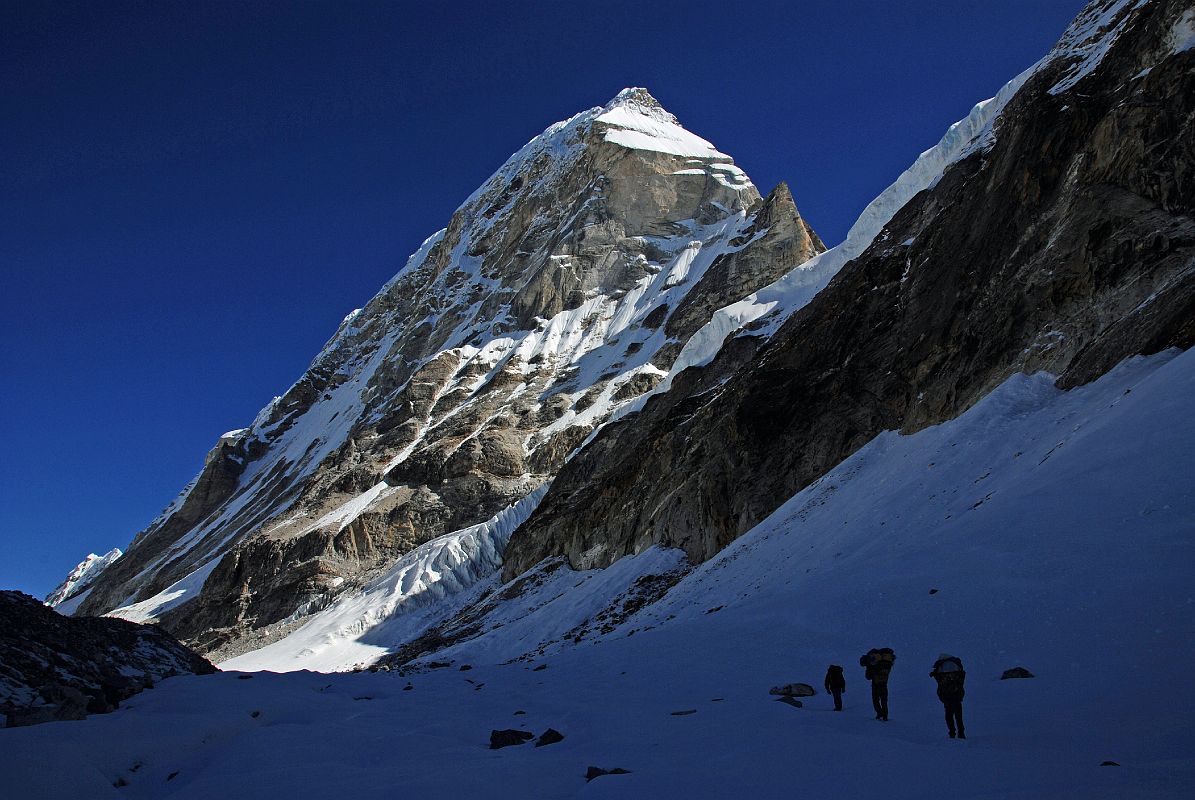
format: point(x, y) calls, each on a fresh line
point(597, 772)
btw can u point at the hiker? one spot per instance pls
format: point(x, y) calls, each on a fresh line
point(878, 663)
point(836, 684)
point(948, 672)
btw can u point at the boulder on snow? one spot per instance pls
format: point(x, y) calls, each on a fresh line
point(597, 772)
point(550, 736)
point(1016, 672)
point(508, 737)
point(794, 690)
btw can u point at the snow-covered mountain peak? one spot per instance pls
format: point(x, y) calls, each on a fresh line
point(637, 97)
point(632, 120)
point(81, 577)
point(559, 291)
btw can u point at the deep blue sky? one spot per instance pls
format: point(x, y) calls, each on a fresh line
point(194, 194)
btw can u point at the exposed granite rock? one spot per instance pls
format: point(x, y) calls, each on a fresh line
point(1066, 247)
point(54, 667)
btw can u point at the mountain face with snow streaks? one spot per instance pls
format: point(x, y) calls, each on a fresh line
point(680, 453)
point(1056, 236)
point(561, 290)
point(617, 346)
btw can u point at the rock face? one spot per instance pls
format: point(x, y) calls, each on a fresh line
point(1064, 241)
point(54, 667)
point(561, 291)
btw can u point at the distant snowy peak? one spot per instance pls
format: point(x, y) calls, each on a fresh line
point(82, 576)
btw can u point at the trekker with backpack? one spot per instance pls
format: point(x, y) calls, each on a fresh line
point(878, 663)
point(948, 672)
point(836, 684)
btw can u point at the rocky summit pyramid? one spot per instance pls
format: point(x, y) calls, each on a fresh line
point(561, 291)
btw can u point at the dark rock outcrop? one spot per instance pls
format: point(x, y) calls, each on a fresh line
point(1065, 247)
point(509, 737)
point(597, 772)
point(550, 736)
point(54, 667)
point(1016, 672)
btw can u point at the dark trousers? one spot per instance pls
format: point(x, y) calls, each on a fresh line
point(879, 699)
point(837, 699)
point(954, 714)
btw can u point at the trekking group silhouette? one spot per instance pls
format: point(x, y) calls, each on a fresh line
point(877, 664)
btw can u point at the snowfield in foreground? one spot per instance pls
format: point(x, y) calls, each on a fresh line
point(1058, 530)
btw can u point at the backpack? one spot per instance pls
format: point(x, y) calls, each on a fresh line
point(878, 657)
point(948, 664)
point(949, 674)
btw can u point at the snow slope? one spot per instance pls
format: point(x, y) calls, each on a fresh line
point(1057, 529)
point(359, 628)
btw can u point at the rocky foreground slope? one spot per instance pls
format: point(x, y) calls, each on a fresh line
point(54, 667)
